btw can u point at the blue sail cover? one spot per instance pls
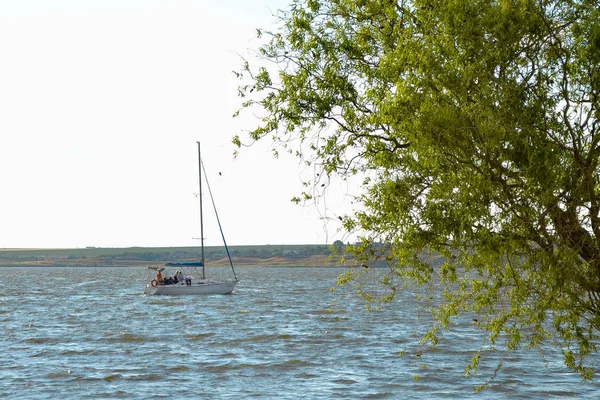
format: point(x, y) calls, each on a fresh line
point(185, 264)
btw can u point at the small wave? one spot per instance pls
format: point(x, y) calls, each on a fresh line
point(339, 328)
point(88, 378)
point(305, 375)
point(298, 363)
point(286, 365)
point(127, 338)
point(333, 319)
point(263, 338)
point(166, 302)
point(93, 282)
point(110, 378)
point(265, 301)
point(233, 367)
point(332, 335)
point(43, 340)
point(58, 375)
point(178, 368)
point(145, 377)
point(382, 395)
point(327, 311)
point(345, 381)
point(199, 336)
point(80, 352)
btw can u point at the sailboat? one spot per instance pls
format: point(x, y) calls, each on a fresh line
point(187, 279)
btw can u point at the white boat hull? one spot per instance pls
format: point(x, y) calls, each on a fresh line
point(198, 287)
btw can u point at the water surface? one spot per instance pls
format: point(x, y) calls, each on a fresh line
point(91, 333)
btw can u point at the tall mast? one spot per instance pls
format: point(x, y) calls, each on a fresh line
point(201, 219)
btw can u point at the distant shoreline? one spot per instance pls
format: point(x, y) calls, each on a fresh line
point(246, 263)
point(242, 256)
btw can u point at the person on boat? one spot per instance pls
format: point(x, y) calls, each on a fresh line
point(158, 276)
point(179, 275)
point(188, 280)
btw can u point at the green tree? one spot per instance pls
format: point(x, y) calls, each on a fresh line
point(476, 126)
point(338, 247)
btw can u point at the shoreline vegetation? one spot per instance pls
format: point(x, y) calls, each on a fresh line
point(242, 256)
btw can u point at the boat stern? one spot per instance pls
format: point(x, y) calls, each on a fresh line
point(150, 290)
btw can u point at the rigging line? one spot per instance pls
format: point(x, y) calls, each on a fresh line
point(218, 221)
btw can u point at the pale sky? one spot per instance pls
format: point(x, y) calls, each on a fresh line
point(101, 105)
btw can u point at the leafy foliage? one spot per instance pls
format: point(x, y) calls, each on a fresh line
point(475, 123)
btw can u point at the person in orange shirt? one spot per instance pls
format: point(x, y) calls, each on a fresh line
point(158, 276)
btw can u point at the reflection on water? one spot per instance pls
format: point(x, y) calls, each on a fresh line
point(91, 333)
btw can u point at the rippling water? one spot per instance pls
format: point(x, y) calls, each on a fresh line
point(90, 333)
